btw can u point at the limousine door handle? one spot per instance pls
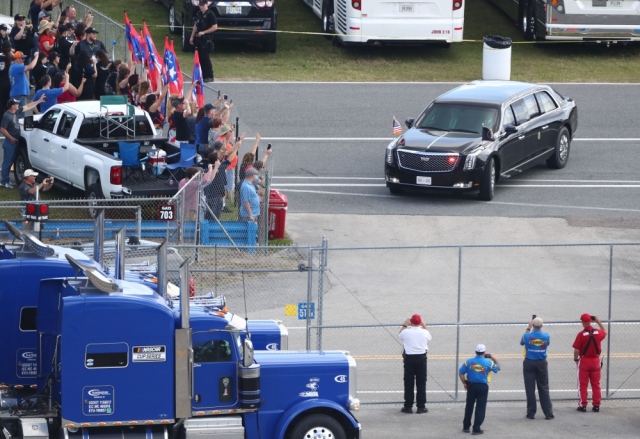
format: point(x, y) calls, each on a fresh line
point(521, 137)
point(64, 147)
point(46, 140)
point(545, 127)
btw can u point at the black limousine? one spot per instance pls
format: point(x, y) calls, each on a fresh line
point(479, 133)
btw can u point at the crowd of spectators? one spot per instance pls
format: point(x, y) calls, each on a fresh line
point(50, 52)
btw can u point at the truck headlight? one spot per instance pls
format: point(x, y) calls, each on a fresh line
point(353, 402)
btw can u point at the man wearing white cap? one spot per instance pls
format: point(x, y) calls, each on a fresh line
point(415, 338)
point(478, 375)
point(534, 369)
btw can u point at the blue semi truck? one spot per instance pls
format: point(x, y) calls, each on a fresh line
point(115, 358)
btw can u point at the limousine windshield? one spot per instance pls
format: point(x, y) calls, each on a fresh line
point(458, 117)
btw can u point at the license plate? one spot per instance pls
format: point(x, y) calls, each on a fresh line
point(614, 3)
point(423, 180)
point(406, 8)
point(234, 9)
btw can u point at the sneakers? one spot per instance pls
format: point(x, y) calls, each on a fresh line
point(406, 410)
point(8, 185)
point(466, 430)
point(531, 416)
point(596, 409)
point(582, 409)
point(422, 410)
point(473, 433)
point(549, 417)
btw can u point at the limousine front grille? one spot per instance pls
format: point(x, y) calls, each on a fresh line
point(427, 162)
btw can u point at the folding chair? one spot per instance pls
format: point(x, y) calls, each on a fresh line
point(187, 158)
point(131, 162)
point(116, 119)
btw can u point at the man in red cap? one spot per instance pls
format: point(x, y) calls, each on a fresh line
point(586, 353)
point(415, 336)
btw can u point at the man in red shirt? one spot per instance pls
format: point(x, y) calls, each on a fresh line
point(586, 353)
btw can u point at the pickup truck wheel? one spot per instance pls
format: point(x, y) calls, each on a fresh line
point(94, 193)
point(318, 427)
point(20, 165)
point(560, 155)
point(488, 182)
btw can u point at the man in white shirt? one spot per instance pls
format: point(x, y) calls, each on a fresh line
point(415, 337)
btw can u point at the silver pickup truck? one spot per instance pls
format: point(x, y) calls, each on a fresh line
point(65, 142)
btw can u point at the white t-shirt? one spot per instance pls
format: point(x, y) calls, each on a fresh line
point(415, 339)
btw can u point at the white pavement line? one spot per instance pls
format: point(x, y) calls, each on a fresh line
point(492, 391)
point(389, 139)
point(339, 193)
point(312, 177)
point(406, 83)
point(529, 186)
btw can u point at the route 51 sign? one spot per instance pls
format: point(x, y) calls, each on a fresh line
point(166, 212)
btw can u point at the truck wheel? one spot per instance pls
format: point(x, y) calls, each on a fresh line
point(186, 45)
point(94, 193)
point(529, 21)
point(173, 24)
point(328, 23)
point(271, 44)
point(560, 155)
point(318, 427)
point(488, 182)
point(20, 165)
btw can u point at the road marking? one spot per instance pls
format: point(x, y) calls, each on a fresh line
point(389, 139)
point(461, 390)
point(499, 185)
point(396, 357)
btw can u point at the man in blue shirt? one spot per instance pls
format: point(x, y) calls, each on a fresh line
point(51, 93)
point(249, 200)
point(19, 80)
point(534, 369)
point(478, 375)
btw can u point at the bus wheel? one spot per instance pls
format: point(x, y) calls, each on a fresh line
point(529, 21)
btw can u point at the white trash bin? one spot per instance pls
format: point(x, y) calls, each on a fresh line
point(496, 58)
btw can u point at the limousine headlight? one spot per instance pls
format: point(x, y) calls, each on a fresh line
point(470, 162)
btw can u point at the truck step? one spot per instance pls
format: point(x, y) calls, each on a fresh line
point(227, 427)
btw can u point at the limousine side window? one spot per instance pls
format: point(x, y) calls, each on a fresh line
point(520, 111)
point(508, 118)
point(532, 106)
point(546, 103)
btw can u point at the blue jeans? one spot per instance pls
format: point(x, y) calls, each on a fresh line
point(9, 150)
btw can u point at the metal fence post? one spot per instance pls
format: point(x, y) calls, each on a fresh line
point(98, 239)
point(309, 296)
point(323, 266)
point(139, 222)
point(609, 315)
point(458, 321)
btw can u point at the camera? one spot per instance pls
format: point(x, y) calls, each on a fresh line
point(593, 318)
point(533, 316)
point(48, 180)
point(487, 355)
point(226, 97)
point(268, 146)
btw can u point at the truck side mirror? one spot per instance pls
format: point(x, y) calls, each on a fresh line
point(247, 353)
point(28, 123)
point(409, 122)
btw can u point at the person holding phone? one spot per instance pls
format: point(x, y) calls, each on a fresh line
point(415, 338)
point(535, 368)
point(475, 374)
point(586, 353)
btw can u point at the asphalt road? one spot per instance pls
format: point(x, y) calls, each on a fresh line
point(329, 141)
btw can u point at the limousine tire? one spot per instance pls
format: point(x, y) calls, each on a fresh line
point(560, 155)
point(488, 182)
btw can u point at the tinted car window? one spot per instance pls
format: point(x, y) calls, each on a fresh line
point(458, 117)
point(66, 123)
point(521, 113)
point(532, 106)
point(48, 121)
point(545, 102)
point(508, 118)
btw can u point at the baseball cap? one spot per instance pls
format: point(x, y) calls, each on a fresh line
point(11, 102)
point(585, 318)
point(481, 348)
point(91, 30)
point(30, 173)
point(415, 319)
point(209, 107)
point(224, 129)
point(3, 27)
point(18, 17)
point(218, 144)
point(537, 322)
point(203, 2)
point(52, 56)
point(43, 14)
point(17, 54)
point(250, 171)
point(177, 101)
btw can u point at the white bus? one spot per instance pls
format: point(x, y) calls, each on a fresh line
point(585, 20)
point(385, 21)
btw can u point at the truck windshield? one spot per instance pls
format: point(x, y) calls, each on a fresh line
point(458, 117)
